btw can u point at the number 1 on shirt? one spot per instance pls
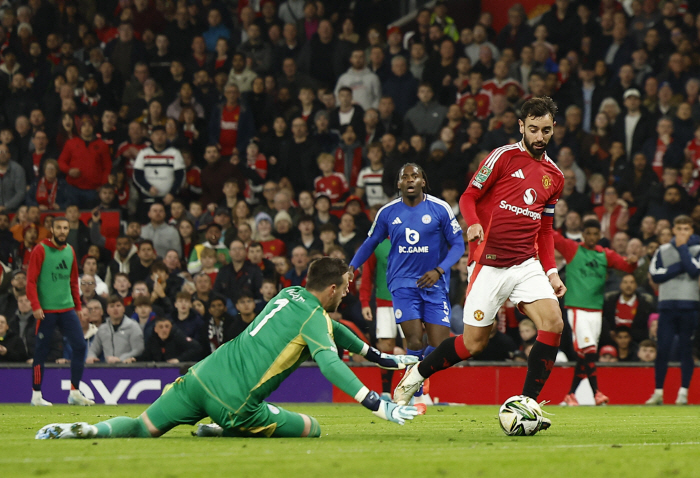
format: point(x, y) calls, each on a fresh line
point(279, 303)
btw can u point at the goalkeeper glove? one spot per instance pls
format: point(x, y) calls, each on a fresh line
point(389, 411)
point(389, 361)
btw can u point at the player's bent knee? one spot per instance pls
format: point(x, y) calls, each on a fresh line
point(553, 324)
point(155, 433)
point(475, 345)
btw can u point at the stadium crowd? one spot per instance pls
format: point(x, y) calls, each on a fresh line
point(240, 140)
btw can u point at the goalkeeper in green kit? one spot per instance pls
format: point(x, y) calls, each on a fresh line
point(231, 385)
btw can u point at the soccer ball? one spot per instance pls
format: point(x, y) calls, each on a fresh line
point(520, 416)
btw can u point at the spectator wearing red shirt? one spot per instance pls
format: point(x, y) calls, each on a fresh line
point(272, 247)
point(348, 156)
point(613, 214)
point(231, 125)
point(48, 192)
point(86, 162)
point(331, 183)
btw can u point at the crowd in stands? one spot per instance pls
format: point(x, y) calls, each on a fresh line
point(240, 140)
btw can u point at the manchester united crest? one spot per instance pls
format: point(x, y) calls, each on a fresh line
point(546, 181)
point(478, 315)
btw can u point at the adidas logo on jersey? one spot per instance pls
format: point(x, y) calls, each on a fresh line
point(518, 174)
point(397, 221)
point(62, 265)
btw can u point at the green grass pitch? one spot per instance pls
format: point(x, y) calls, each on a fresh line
point(459, 441)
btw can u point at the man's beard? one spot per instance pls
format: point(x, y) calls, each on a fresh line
point(531, 148)
point(60, 242)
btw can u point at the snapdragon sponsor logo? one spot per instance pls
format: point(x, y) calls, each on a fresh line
point(535, 216)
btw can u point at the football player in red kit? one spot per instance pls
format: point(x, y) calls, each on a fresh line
point(509, 206)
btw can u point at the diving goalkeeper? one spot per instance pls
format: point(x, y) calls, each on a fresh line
point(231, 385)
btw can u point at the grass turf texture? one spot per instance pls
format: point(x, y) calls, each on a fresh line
point(614, 441)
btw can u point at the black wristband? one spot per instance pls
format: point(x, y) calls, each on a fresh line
point(438, 271)
point(374, 355)
point(372, 401)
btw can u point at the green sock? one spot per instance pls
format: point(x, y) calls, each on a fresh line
point(122, 427)
point(315, 431)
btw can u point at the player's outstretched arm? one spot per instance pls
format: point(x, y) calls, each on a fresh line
point(347, 340)
point(340, 375)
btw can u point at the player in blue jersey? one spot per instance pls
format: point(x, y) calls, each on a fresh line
point(426, 241)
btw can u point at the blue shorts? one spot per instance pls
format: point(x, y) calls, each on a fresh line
point(432, 306)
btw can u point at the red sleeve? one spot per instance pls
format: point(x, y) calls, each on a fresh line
point(106, 163)
point(36, 259)
point(64, 158)
point(565, 246)
point(545, 245)
point(367, 282)
point(74, 286)
point(616, 261)
point(484, 178)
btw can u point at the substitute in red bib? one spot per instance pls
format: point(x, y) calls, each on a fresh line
point(509, 206)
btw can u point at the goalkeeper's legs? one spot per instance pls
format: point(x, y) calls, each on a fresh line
point(271, 421)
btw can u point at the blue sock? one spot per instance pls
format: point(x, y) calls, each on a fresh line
point(428, 350)
point(419, 354)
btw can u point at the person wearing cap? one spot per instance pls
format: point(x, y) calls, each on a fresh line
point(158, 170)
point(86, 162)
point(213, 241)
point(272, 246)
point(633, 126)
point(222, 217)
point(608, 353)
point(284, 230)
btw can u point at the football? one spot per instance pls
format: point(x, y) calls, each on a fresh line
point(520, 416)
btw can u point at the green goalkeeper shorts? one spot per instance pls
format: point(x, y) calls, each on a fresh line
point(187, 402)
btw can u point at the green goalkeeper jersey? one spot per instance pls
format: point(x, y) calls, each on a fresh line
point(290, 329)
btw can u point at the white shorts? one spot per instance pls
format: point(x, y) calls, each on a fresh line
point(489, 287)
point(585, 327)
point(386, 323)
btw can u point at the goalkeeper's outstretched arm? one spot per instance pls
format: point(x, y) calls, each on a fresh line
point(340, 375)
point(347, 340)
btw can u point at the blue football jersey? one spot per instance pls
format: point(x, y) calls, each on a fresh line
point(421, 238)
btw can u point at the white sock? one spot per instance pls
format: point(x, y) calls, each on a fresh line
point(36, 395)
point(658, 391)
point(682, 391)
point(74, 392)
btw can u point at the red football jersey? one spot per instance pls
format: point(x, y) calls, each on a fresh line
point(333, 186)
point(509, 196)
point(495, 87)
